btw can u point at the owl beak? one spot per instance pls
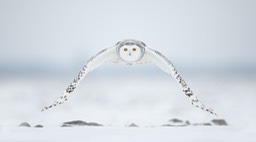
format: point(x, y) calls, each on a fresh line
point(130, 54)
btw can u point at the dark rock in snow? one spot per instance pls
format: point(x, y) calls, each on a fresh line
point(220, 122)
point(79, 123)
point(175, 120)
point(177, 123)
point(202, 124)
point(207, 124)
point(174, 125)
point(24, 124)
point(39, 126)
point(133, 125)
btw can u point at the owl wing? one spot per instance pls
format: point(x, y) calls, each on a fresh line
point(166, 65)
point(93, 63)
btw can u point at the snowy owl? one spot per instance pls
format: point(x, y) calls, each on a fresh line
point(130, 52)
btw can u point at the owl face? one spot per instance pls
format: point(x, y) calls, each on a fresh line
point(130, 50)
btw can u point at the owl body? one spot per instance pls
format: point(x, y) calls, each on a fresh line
point(130, 51)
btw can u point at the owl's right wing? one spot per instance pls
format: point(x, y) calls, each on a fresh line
point(93, 63)
point(166, 65)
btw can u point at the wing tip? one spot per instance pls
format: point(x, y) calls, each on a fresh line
point(44, 109)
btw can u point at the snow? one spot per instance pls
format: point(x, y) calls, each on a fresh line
point(148, 102)
point(117, 134)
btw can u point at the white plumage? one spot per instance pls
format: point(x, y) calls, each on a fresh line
point(131, 52)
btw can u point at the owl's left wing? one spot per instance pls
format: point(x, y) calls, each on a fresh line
point(166, 65)
point(93, 63)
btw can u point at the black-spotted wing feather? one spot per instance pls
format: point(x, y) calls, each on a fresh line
point(167, 66)
point(92, 63)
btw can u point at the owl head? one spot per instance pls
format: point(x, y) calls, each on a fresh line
point(130, 50)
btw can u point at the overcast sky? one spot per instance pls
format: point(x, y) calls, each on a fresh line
point(64, 34)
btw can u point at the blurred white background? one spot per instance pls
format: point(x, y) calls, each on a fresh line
point(53, 36)
point(45, 43)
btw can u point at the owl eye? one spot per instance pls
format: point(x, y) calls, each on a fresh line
point(134, 49)
point(125, 49)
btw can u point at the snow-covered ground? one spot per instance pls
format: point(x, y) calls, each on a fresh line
point(117, 102)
